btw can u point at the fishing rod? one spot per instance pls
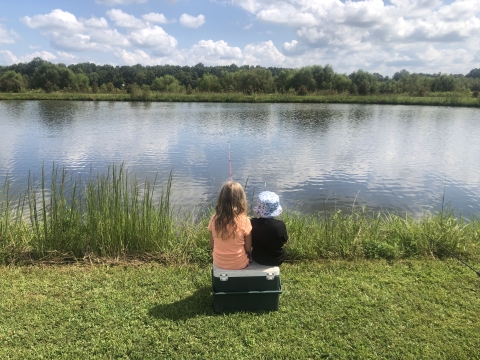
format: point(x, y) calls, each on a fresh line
point(230, 161)
point(455, 256)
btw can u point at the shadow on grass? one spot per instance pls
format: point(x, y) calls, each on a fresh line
point(199, 303)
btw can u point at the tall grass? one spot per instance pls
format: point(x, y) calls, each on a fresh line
point(112, 215)
point(107, 215)
point(363, 234)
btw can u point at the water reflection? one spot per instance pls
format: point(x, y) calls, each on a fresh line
point(315, 156)
point(57, 114)
point(14, 109)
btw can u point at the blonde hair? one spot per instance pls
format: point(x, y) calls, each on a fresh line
point(231, 203)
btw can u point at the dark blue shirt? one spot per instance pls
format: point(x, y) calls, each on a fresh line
point(268, 237)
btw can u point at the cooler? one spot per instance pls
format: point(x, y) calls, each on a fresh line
point(255, 288)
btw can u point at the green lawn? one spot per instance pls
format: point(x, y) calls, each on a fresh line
point(335, 309)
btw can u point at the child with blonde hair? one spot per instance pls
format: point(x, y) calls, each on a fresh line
point(230, 228)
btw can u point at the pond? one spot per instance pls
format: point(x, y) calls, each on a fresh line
point(315, 156)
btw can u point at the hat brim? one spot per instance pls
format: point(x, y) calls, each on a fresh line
point(258, 212)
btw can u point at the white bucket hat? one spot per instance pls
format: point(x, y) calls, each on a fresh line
point(268, 205)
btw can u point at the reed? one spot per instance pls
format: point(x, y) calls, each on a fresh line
point(114, 215)
point(107, 215)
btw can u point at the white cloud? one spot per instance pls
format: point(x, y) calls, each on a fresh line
point(67, 33)
point(125, 20)
point(45, 55)
point(109, 37)
point(156, 18)
point(64, 56)
point(120, 2)
point(373, 33)
point(214, 53)
point(8, 58)
point(263, 53)
point(459, 10)
point(416, 8)
point(155, 38)
point(56, 20)
point(476, 57)
point(219, 52)
point(191, 21)
point(205, 51)
point(96, 23)
point(141, 57)
point(293, 48)
point(7, 36)
point(286, 14)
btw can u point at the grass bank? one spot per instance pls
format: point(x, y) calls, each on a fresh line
point(435, 99)
point(333, 309)
point(61, 218)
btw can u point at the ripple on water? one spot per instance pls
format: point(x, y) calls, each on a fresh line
point(396, 158)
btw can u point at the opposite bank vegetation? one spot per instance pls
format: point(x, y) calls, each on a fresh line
point(41, 79)
point(433, 99)
point(60, 218)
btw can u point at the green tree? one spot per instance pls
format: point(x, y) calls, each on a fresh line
point(303, 78)
point(474, 73)
point(443, 83)
point(81, 82)
point(341, 83)
point(328, 76)
point(66, 79)
point(366, 83)
point(227, 81)
point(46, 77)
point(166, 83)
point(400, 75)
point(12, 82)
point(254, 80)
point(283, 79)
point(209, 83)
point(110, 87)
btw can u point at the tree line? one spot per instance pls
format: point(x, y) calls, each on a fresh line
point(45, 76)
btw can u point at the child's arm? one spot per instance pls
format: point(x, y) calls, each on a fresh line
point(211, 240)
point(248, 243)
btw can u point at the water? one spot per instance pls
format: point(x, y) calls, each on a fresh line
point(316, 156)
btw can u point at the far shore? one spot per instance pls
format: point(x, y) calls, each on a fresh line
point(433, 99)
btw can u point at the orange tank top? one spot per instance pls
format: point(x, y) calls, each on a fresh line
point(230, 253)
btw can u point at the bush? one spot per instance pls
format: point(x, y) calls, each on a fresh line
point(12, 82)
point(302, 90)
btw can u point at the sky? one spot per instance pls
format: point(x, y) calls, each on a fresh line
point(428, 36)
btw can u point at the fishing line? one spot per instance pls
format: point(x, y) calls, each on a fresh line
point(230, 161)
point(455, 256)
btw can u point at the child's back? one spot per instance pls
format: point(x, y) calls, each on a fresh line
point(230, 228)
point(268, 234)
point(268, 237)
point(230, 253)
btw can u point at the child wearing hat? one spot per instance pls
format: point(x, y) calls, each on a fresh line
point(268, 234)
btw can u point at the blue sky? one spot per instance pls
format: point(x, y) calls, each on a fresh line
point(374, 35)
